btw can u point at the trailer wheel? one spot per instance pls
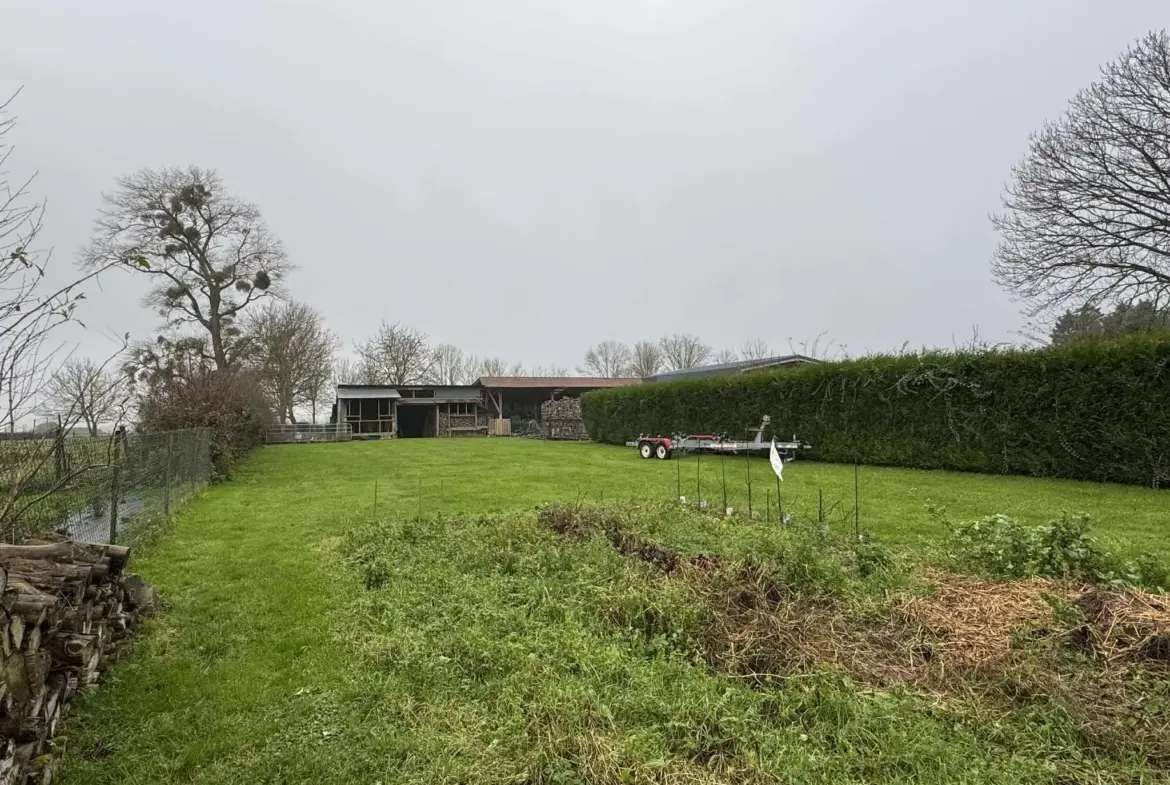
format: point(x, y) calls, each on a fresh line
point(645, 449)
point(661, 452)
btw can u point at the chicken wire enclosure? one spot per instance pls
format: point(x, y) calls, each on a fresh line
point(105, 489)
point(307, 433)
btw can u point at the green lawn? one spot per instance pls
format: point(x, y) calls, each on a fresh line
point(273, 663)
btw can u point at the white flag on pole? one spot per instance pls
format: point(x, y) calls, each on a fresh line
point(777, 464)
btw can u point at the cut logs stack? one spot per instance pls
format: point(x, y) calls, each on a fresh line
point(66, 609)
point(561, 419)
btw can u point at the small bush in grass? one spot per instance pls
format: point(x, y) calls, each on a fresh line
point(1002, 547)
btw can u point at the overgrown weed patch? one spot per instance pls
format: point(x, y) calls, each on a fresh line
point(1099, 653)
point(618, 645)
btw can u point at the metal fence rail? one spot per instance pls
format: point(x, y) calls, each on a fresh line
point(303, 432)
point(104, 489)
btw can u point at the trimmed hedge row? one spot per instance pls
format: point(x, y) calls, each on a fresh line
point(1090, 410)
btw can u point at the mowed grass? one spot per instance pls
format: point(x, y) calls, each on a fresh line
point(479, 475)
point(275, 663)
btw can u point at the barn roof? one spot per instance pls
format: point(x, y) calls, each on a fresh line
point(740, 366)
point(554, 382)
point(350, 392)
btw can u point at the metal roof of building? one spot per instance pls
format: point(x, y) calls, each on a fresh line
point(351, 392)
point(741, 366)
point(553, 382)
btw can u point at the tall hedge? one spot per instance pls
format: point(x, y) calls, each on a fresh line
point(1091, 411)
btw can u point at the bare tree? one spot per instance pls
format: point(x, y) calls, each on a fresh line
point(84, 390)
point(291, 354)
point(645, 359)
point(1087, 214)
point(480, 367)
point(755, 349)
point(397, 354)
point(683, 351)
point(450, 365)
point(210, 253)
point(30, 311)
point(319, 384)
point(724, 356)
point(608, 359)
point(549, 370)
point(30, 314)
point(347, 371)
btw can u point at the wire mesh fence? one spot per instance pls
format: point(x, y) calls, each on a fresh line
point(304, 432)
point(98, 489)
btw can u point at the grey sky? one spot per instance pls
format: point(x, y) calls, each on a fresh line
point(526, 177)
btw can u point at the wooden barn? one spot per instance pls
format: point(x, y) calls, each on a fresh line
point(423, 410)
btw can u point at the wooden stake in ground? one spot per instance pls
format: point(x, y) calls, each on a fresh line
point(723, 467)
point(698, 479)
point(749, 484)
point(856, 504)
point(678, 478)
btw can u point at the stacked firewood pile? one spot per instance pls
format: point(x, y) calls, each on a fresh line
point(562, 419)
point(67, 608)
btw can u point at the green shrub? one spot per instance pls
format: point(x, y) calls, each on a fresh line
point(1092, 410)
point(230, 403)
point(1001, 547)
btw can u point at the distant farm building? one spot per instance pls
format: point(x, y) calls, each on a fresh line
point(418, 410)
point(493, 403)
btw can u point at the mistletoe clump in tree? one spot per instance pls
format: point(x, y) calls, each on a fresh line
point(210, 253)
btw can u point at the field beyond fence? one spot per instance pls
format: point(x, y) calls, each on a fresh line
point(99, 489)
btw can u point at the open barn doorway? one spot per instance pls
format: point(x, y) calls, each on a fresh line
point(417, 421)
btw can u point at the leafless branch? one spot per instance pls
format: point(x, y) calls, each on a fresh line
point(1087, 214)
point(291, 355)
point(88, 392)
point(210, 253)
point(645, 359)
point(683, 351)
point(397, 354)
point(755, 349)
point(608, 359)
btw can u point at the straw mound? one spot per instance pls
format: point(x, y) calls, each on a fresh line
point(1102, 655)
point(963, 625)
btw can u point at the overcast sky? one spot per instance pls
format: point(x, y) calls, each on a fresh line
point(526, 177)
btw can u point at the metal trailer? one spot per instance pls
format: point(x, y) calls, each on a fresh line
point(662, 447)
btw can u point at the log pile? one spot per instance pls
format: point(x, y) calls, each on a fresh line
point(66, 608)
point(562, 419)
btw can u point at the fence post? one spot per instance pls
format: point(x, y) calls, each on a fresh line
point(61, 467)
point(167, 474)
point(194, 460)
point(59, 462)
point(114, 488)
